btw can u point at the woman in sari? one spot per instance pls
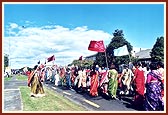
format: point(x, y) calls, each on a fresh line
point(67, 77)
point(82, 79)
point(160, 68)
point(62, 76)
point(94, 82)
point(35, 83)
point(153, 96)
point(113, 82)
point(104, 81)
point(126, 77)
point(72, 76)
point(140, 86)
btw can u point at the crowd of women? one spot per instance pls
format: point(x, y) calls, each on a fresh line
point(145, 81)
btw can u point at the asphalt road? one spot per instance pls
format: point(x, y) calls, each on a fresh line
point(99, 103)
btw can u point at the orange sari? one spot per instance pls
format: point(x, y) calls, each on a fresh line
point(94, 84)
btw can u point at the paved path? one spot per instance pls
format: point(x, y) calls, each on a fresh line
point(11, 96)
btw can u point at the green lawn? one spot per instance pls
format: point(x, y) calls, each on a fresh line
point(51, 102)
point(7, 78)
point(18, 77)
point(21, 77)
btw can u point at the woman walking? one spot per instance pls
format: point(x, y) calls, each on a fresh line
point(140, 86)
point(113, 82)
point(126, 77)
point(153, 96)
point(94, 82)
point(160, 68)
point(35, 83)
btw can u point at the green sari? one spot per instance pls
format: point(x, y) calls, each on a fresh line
point(113, 82)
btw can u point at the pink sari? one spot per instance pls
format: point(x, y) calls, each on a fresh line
point(94, 85)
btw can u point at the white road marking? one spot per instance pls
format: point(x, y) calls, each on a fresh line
point(91, 103)
point(66, 93)
point(10, 89)
point(54, 87)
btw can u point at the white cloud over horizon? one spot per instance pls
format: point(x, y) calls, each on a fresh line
point(28, 45)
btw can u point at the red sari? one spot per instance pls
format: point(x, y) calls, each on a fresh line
point(30, 78)
point(72, 76)
point(140, 87)
point(94, 84)
point(42, 75)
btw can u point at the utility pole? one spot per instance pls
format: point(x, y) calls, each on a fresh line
point(9, 53)
point(9, 65)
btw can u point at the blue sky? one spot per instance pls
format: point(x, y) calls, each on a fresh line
point(60, 24)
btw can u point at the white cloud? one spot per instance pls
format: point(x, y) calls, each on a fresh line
point(13, 25)
point(31, 44)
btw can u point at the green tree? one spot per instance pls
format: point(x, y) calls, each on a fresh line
point(83, 63)
point(100, 59)
point(117, 41)
point(157, 53)
point(6, 61)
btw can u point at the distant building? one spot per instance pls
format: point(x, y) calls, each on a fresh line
point(143, 55)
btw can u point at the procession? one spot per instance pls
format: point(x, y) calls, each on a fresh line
point(144, 81)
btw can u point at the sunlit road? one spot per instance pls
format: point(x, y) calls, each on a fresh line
point(99, 103)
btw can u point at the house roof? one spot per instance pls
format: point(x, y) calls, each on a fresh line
point(143, 54)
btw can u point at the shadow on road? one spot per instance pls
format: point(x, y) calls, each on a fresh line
point(128, 102)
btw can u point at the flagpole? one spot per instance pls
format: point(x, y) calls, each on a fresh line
point(45, 63)
point(129, 57)
point(53, 62)
point(106, 58)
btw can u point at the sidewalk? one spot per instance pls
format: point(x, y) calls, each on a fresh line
point(12, 97)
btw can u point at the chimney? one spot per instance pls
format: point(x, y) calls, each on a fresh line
point(140, 49)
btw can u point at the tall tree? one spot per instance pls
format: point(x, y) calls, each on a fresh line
point(6, 61)
point(157, 53)
point(117, 41)
point(83, 63)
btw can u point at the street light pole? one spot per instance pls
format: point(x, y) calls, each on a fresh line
point(9, 54)
point(9, 65)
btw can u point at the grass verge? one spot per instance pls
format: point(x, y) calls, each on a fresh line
point(21, 77)
point(51, 102)
point(7, 78)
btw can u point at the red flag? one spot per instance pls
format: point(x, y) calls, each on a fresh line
point(51, 58)
point(97, 46)
point(80, 58)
